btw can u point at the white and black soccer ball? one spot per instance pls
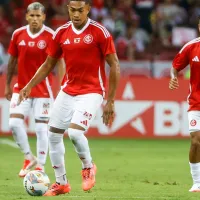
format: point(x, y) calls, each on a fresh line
point(36, 183)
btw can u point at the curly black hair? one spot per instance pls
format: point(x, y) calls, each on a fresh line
point(86, 1)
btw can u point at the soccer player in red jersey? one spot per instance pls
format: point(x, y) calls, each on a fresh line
point(85, 45)
point(28, 51)
point(190, 55)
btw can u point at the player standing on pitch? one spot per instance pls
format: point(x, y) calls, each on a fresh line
point(190, 55)
point(85, 45)
point(28, 51)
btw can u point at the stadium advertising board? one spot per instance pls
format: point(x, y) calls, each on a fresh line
point(145, 108)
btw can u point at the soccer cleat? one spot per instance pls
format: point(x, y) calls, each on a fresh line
point(57, 189)
point(28, 164)
point(88, 177)
point(39, 168)
point(195, 188)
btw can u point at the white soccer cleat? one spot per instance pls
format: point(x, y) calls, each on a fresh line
point(28, 164)
point(195, 188)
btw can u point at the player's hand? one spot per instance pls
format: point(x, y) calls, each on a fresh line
point(8, 92)
point(173, 83)
point(108, 113)
point(24, 94)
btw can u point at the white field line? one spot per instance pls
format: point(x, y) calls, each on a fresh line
point(9, 143)
point(113, 197)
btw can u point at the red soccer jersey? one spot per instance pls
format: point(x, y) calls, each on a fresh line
point(31, 53)
point(84, 53)
point(190, 55)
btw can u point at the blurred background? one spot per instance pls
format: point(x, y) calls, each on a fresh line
point(147, 35)
point(144, 30)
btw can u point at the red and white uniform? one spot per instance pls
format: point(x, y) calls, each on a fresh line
point(31, 52)
point(190, 55)
point(84, 53)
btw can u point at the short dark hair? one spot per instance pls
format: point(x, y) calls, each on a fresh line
point(36, 6)
point(86, 1)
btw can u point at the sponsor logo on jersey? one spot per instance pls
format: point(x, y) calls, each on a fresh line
point(88, 39)
point(77, 40)
point(67, 41)
point(193, 122)
point(41, 44)
point(31, 44)
point(22, 43)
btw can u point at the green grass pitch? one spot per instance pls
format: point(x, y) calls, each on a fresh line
point(127, 169)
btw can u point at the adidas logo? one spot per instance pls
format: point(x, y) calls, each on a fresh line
point(84, 122)
point(195, 59)
point(22, 43)
point(67, 41)
point(45, 112)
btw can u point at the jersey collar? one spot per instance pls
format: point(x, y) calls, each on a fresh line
point(33, 36)
point(81, 31)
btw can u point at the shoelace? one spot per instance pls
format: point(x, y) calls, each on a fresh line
point(86, 173)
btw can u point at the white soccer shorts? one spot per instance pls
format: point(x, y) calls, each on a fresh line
point(41, 107)
point(80, 110)
point(194, 121)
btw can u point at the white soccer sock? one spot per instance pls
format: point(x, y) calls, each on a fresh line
point(41, 130)
point(81, 146)
point(57, 152)
point(20, 136)
point(195, 172)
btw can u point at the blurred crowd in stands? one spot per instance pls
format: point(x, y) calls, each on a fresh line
point(142, 29)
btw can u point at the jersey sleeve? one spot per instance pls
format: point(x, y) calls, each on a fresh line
point(181, 60)
point(13, 50)
point(106, 43)
point(54, 49)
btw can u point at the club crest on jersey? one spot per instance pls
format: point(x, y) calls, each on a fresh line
point(31, 44)
point(88, 39)
point(41, 44)
point(193, 122)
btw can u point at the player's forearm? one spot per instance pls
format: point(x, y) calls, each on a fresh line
point(113, 81)
point(173, 73)
point(11, 69)
point(61, 69)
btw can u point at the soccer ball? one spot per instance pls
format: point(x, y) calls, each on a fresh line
point(36, 183)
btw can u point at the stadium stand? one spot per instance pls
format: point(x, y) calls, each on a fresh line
point(143, 29)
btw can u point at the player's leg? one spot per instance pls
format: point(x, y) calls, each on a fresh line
point(194, 155)
point(41, 109)
point(60, 117)
point(85, 111)
point(16, 124)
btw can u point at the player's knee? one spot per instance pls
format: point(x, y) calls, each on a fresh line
point(55, 137)
point(75, 134)
point(41, 130)
point(41, 127)
point(195, 138)
point(16, 123)
point(56, 143)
